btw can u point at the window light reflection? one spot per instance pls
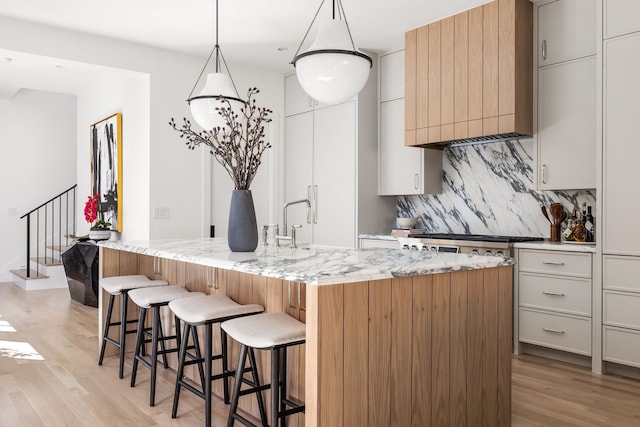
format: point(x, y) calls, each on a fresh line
point(6, 326)
point(19, 350)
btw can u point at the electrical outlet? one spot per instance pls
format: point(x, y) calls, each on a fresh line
point(161, 212)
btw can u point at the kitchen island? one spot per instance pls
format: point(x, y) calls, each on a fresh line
point(394, 337)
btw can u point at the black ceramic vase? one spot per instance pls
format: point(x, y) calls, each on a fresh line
point(242, 234)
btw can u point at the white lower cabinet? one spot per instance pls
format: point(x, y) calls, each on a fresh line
point(621, 310)
point(554, 306)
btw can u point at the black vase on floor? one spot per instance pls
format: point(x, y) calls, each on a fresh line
point(242, 234)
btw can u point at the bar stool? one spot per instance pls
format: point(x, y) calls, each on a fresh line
point(121, 285)
point(154, 298)
point(268, 331)
point(208, 310)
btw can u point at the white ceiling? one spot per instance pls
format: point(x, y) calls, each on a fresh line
point(263, 33)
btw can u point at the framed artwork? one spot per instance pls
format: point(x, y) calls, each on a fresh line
point(106, 168)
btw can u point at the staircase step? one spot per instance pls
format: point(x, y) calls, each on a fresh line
point(48, 261)
point(33, 275)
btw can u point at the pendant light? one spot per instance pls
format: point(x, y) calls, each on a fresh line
point(218, 87)
point(332, 70)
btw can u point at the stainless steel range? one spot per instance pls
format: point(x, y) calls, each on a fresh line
point(475, 244)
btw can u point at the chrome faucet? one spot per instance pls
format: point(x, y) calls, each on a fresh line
point(285, 236)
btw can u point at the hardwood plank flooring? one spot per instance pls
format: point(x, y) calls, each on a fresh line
point(57, 381)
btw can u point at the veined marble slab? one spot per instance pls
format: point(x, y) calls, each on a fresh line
point(556, 246)
point(378, 237)
point(314, 266)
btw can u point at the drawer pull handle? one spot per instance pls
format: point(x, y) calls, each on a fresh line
point(557, 294)
point(553, 331)
point(553, 263)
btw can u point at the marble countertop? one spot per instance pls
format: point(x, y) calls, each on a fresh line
point(315, 266)
point(557, 246)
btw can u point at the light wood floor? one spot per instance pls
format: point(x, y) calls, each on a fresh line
point(57, 381)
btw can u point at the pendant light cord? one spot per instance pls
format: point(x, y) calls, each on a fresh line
point(341, 15)
point(219, 55)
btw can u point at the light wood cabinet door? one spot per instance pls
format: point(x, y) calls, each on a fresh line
point(471, 73)
point(620, 17)
point(567, 125)
point(566, 30)
point(621, 126)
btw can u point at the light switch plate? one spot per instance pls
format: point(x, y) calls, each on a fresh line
point(161, 212)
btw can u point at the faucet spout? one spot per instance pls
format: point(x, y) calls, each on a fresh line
point(295, 202)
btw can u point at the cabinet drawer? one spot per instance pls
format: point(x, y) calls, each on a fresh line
point(379, 243)
point(555, 293)
point(621, 346)
point(621, 309)
point(555, 262)
point(562, 332)
point(622, 273)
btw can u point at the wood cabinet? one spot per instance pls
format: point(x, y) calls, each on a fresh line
point(566, 95)
point(554, 300)
point(471, 75)
point(330, 157)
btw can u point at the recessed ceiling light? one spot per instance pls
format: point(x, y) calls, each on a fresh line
point(282, 49)
point(6, 60)
point(59, 66)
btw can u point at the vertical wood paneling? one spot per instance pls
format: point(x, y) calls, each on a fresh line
point(461, 61)
point(447, 77)
point(434, 118)
point(524, 67)
point(379, 354)
point(490, 60)
point(356, 349)
point(410, 80)
point(475, 318)
point(422, 77)
point(312, 371)
point(458, 345)
point(489, 351)
point(421, 403)
point(440, 342)
point(401, 341)
point(292, 308)
point(109, 262)
point(506, 57)
point(475, 66)
point(505, 322)
point(330, 357)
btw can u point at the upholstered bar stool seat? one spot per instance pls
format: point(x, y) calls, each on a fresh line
point(154, 298)
point(267, 331)
point(207, 311)
point(121, 285)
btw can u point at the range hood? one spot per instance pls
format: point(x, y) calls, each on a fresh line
point(469, 77)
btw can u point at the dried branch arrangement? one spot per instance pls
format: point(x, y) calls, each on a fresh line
point(239, 145)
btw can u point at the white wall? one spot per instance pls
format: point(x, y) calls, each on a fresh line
point(37, 162)
point(149, 86)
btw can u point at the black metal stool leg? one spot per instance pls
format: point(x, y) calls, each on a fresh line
point(198, 353)
point(123, 331)
point(105, 331)
point(155, 330)
point(257, 384)
point(225, 366)
point(139, 344)
point(180, 372)
point(275, 390)
point(235, 396)
point(283, 383)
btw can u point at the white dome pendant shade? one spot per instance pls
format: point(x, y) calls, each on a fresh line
point(203, 105)
point(332, 70)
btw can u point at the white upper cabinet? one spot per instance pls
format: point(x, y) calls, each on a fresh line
point(566, 30)
point(296, 99)
point(621, 17)
point(402, 170)
point(392, 77)
point(566, 95)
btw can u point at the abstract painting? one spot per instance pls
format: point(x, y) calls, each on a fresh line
point(106, 168)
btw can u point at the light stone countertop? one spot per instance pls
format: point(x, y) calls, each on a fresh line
point(314, 266)
point(556, 246)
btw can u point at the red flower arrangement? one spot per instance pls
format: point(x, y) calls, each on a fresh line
point(92, 213)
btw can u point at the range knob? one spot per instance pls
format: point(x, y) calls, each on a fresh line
point(488, 253)
point(499, 253)
point(405, 246)
point(475, 252)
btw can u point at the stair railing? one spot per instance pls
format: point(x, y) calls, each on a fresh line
point(64, 203)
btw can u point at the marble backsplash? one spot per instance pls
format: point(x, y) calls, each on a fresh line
point(489, 189)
